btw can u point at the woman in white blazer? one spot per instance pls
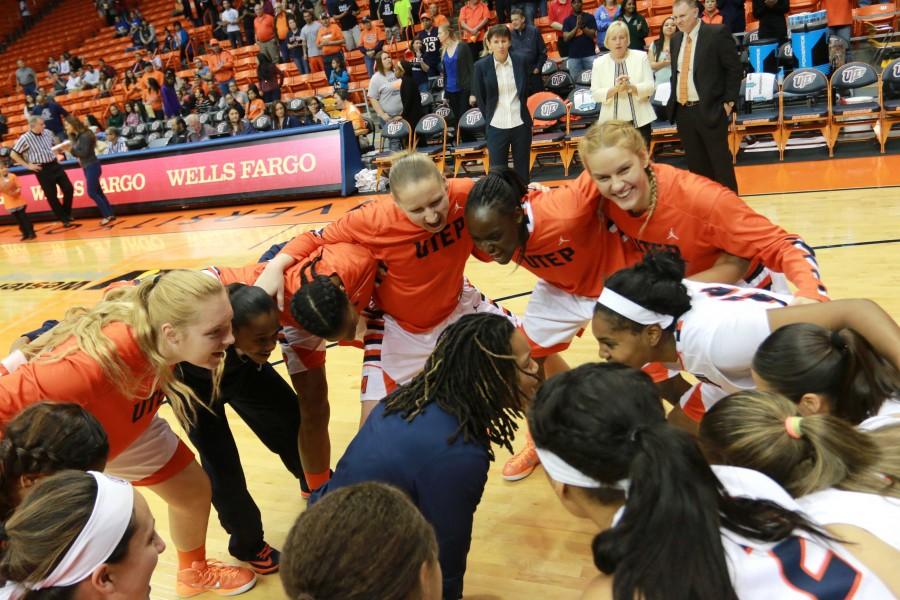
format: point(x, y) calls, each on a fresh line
point(622, 82)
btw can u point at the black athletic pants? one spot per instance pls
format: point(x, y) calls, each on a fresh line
point(51, 175)
point(268, 405)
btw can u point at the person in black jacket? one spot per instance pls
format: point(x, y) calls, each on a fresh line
point(771, 15)
point(82, 146)
point(528, 43)
point(500, 89)
point(410, 95)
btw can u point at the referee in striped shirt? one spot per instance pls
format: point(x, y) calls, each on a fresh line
point(37, 144)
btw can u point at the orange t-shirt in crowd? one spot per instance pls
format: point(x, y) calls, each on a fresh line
point(472, 16)
point(839, 12)
point(145, 88)
point(569, 246)
point(369, 38)
point(352, 264)
point(224, 61)
point(330, 34)
point(424, 270)
point(281, 26)
point(264, 27)
point(80, 379)
point(439, 20)
point(255, 108)
point(11, 193)
point(702, 219)
point(712, 19)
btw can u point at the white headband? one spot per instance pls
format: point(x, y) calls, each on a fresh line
point(561, 471)
point(632, 310)
point(96, 541)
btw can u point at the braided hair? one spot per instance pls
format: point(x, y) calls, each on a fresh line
point(45, 438)
point(501, 191)
point(472, 375)
point(320, 305)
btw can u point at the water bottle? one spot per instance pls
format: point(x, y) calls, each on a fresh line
point(780, 77)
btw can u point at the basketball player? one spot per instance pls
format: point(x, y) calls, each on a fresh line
point(671, 527)
point(420, 237)
point(650, 313)
point(116, 360)
point(840, 475)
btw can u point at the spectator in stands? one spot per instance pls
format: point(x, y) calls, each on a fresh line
point(317, 113)
point(4, 126)
point(178, 132)
point(218, 102)
point(711, 14)
point(344, 13)
point(115, 118)
point(75, 82)
point(282, 30)
point(131, 86)
point(270, 78)
point(25, 13)
point(350, 112)
point(403, 10)
point(52, 66)
point(221, 65)
point(63, 64)
point(168, 41)
point(82, 145)
point(638, 29)
point(229, 102)
point(58, 85)
point(420, 69)
point(34, 151)
point(280, 117)
point(458, 67)
point(26, 78)
point(236, 124)
point(182, 43)
point(528, 44)
point(29, 105)
point(431, 46)
point(52, 114)
point(202, 70)
point(437, 19)
point(238, 94)
point(580, 34)
point(171, 105)
point(107, 75)
point(371, 41)
point(330, 39)
point(264, 30)
point(295, 47)
point(605, 14)
point(197, 131)
point(153, 101)
point(132, 115)
point(122, 26)
point(384, 92)
point(410, 96)
point(660, 52)
point(474, 19)
point(247, 14)
point(385, 12)
point(94, 124)
point(339, 78)
point(772, 17)
point(256, 106)
point(91, 77)
point(231, 20)
point(114, 142)
point(733, 14)
point(310, 34)
point(147, 37)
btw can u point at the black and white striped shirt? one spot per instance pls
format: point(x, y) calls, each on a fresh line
point(36, 148)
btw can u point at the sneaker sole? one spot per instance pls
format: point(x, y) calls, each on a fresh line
point(220, 592)
point(520, 475)
point(264, 570)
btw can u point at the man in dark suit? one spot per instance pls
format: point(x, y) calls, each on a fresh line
point(500, 85)
point(706, 81)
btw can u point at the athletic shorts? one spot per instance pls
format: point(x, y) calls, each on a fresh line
point(698, 399)
point(393, 355)
point(554, 317)
point(155, 456)
point(302, 351)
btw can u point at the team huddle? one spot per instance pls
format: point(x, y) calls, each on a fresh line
point(774, 472)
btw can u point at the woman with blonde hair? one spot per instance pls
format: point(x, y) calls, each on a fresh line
point(622, 82)
point(116, 359)
point(840, 475)
point(458, 69)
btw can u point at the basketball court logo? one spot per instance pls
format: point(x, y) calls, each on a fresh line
point(852, 74)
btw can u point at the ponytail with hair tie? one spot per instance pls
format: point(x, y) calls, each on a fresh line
point(838, 341)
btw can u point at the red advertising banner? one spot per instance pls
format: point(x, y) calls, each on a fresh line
point(245, 168)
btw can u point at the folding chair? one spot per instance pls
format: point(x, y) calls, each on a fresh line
point(547, 137)
point(395, 129)
point(757, 116)
point(890, 100)
point(803, 106)
point(583, 112)
point(473, 123)
point(848, 109)
point(432, 131)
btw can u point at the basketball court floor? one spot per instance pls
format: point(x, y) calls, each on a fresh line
point(524, 545)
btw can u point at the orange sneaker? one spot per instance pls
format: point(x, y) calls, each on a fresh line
point(213, 576)
point(521, 465)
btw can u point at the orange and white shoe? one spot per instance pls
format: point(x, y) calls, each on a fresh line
point(522, 464)
point(213, 576)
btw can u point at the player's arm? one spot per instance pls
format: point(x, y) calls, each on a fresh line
point(863, 316)
point(71, 379)
point(743, 232)
point(727, 269)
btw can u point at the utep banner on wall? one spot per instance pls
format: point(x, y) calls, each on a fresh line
point(253, 168)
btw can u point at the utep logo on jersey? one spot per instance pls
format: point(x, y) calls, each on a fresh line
point(445, 237)
point(147, 406)
point(851, 74)
point(548, 108)
point(804, 80)
point(558, 258)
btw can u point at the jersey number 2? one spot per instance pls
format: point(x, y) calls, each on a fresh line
point(836, 580)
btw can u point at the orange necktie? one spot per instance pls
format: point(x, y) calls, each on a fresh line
point(684, 73)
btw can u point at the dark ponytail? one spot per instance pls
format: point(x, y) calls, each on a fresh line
point(607, 421)
point(502, 191)
point(803, 358)
point(654, 283)
point(248, 302)
point(320, 305)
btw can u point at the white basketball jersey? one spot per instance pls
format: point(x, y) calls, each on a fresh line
point(879, 515)
point(800, 567)
point(717, 338)
point(888, 415)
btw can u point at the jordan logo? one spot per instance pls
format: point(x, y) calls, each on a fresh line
point(671, 235)
point(457, 207)
point(563, 240)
